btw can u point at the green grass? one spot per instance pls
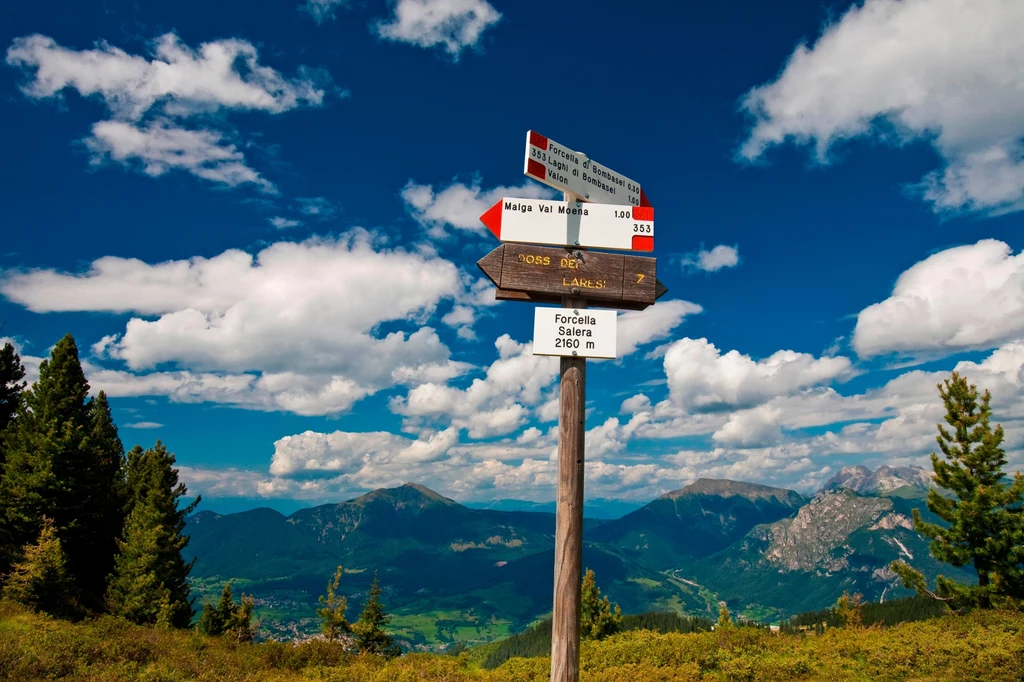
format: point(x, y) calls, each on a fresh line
point(759, 613)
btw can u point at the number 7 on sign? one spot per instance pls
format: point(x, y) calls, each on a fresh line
point(639, 277)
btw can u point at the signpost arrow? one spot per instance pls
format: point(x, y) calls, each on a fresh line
point(570, 171)
point(572, 223)
point(611, 277)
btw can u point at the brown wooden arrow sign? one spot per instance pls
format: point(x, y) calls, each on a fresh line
point(544, 275)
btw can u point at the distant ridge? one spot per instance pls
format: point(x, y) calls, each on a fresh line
point(695, 521)
point(715, 539)
point(723, 487)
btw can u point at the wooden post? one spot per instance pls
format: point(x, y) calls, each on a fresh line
point(565, 626)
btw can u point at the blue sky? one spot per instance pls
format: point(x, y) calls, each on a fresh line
point(260, 223)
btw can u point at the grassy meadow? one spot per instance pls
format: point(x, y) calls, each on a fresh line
point(979, 646)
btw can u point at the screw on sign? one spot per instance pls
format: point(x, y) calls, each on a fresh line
point(600, 209)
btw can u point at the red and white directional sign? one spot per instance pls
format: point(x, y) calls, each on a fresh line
point(572, 223)
point(570, 171)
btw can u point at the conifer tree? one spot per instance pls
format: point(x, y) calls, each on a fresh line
point(64, 461)
point(11, 387)
point(151, 482)
point(136, 591)
point(215, 620)
point(369, 629)
point(228, 618)
point(984, 517)
point(240, 625)
point(43, 455)
point(332, 610)
point(102, 518)
point(597, 619)
point(40, 580)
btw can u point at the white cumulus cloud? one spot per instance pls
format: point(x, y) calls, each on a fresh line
point(189, 80)
point(293, 327)
point(453, 25)
point(654, 323)
point(152, 99)
point(700, 376)
point(459, 205)
point(325, 454)
point(963, 298)
point(493, 405)
point(946, 71)
point(160, 147)
point(713, 260)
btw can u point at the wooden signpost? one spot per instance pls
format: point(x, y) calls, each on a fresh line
point(610, 280)
point(600, 209)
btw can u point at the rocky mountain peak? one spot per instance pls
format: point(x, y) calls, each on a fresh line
point(808, 540)
point(881, 481)
point(409, 495)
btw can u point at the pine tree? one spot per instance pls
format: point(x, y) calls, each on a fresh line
point(102, 520)
point(11, 387)
point(369, 629)
point(210, 622)
point(64, 462)
point(332, 610)
point(597, 618)
point(215, 619)
point(44, 455)
point(152, 481)
point(984, 517)
point(136, 591)
point(240, 626)
point(228, 618)
point(40, 580)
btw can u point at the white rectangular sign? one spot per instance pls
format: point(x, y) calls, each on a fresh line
point(571, 223)
point(583, 333)
point(571, 171)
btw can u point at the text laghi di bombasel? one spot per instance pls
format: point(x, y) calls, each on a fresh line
point(597, 176)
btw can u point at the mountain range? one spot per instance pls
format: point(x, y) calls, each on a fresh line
point(453, 572)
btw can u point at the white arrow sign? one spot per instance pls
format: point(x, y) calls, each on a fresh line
point(572, 223)
point(580, 333)
point(571, 171)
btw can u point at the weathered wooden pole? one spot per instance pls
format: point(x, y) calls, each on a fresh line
point(565, 626)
